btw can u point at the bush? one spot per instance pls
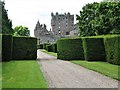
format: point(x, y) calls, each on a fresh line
point(94, 48)
point(54, 48)
point(70, 49)
point(49, 47)
point(40, 46)
point(6, 47)
point(0, 47)
point(24, 48)
point(112, 48)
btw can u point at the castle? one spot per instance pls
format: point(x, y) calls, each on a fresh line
point(62, 26)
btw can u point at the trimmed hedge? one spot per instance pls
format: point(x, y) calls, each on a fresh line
point(0, 47)
point(112, 48)
point(94, 48)
point(6, 47)
point(24, 48)
point(54, 48)
point(44, 45)
point(49, 47)
point(70, 49)
point(40, 46)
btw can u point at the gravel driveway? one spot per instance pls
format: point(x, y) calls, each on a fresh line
point(64, 74)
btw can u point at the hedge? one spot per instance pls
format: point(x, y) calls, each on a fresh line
point(54, 47)
point(49, 47)
point(0, 47)
point(40, 46)
point(94, 48)
point(44, 45)
point(70, 49)
point(24, 48)
point(112, 48)
point(6, 47)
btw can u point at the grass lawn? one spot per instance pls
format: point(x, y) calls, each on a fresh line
point(105, 68)
point(101, 67)
point(22, 74)
point(0, 75)
point(51, 53)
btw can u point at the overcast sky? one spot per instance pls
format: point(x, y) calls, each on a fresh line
point(27, 12)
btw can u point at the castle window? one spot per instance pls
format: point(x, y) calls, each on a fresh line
point(67, 33)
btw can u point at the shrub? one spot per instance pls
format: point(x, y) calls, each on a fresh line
point(54, 48)
point(69, 49)
point(112, 48)
point(24, 48)
point(6, 47)
point(40, 46)
point(49, 47)
point(0, 47)
point(44, 45)
point(94, 48)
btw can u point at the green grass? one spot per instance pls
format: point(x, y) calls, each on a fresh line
point(101, 67)
point(0, 75)
point(22, 74)
point(104, 68)
point(50, 53)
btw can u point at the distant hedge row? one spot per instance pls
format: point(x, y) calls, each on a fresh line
point(18, 48)
point(49, 47)
point(94, 48)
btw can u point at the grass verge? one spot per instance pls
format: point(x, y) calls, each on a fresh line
point(0, 75)
point(22, 74)
point(50, 53)
point(105, 68)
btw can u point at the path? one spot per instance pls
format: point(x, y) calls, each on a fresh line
point(64, 74)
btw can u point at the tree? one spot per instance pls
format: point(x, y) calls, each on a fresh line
point(6, 22)
point(21, 31)
point(99, 18)
point(111, 0)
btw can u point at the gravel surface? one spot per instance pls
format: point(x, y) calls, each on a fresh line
point(64, 74)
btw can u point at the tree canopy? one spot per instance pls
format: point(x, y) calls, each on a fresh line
point(21, 31)
point(99, 18)
point(6, 22)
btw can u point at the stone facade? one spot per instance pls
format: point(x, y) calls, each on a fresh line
point(42, 34)
point(62, 26)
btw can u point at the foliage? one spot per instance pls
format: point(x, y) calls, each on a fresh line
point(21, 31)
point(93, 48)
point(112, 48)
point(49, 48)
point(54, 47)
point(99, 18)
point(24, 48)
point(70, 48)
point(6, 47)
point(22, 74)
point(40, 46)
point(6, 22)
point(111, 0)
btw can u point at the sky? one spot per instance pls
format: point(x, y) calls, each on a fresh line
point(28, 12)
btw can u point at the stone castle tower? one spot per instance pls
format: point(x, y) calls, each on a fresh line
point(42, 34)
point(62, 24)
